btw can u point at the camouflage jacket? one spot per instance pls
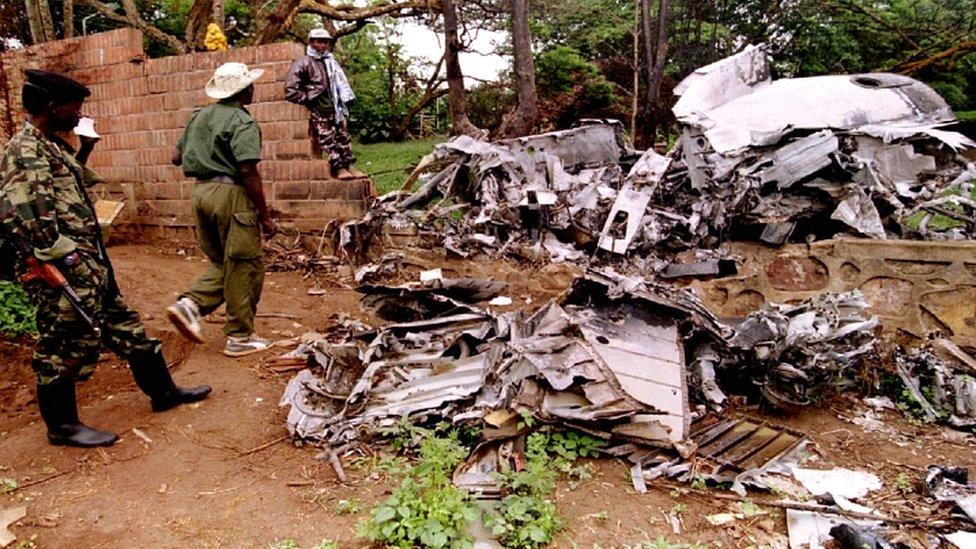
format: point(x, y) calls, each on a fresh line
point(42, 197)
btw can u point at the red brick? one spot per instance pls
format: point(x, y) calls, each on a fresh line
point(163, 191)
point(197, 80)
point(157, 84)
point(289, 150)
point(210, 61)
point(124, 71)
point(359, 189)
point(169, 65)
point(282, 51)
point(268, 91)
point(278, 111)
point(320, 210)
point(165, 211)
point(291, 190)
point(275, 71)
point(282, 131)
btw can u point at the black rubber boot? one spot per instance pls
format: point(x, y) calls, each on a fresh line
point(59, 409)
point(152, 376)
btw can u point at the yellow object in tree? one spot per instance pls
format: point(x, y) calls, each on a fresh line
point(215, 39)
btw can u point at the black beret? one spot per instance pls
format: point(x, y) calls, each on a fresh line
point(57, 87)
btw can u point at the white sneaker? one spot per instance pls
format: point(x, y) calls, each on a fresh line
point(242, 346)
point(185, 315)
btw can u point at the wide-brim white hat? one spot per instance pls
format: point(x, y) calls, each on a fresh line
point(320, 34)
point(231, 78)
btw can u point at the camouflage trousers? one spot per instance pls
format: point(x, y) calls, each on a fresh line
point(66, 347)
point(331, 137)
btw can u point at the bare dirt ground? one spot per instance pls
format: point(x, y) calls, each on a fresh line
point(199, 483)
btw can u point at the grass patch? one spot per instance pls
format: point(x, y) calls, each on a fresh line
point(390, 163)
point(966, 116)
point(16, 311)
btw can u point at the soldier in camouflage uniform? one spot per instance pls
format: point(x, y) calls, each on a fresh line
point(43, 202)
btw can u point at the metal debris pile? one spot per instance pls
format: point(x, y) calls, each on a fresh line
point(793, 351)
point(607, 360)
point(771, 160)
point(631, 362)
point(940, 380)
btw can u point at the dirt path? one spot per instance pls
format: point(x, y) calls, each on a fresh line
point(191, 486)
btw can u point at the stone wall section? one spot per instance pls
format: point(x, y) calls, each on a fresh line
point(141, 106)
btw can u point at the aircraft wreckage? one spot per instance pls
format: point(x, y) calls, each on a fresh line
point(833, 186)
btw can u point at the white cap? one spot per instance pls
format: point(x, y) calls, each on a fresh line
point(320, 34)
point(231, 78)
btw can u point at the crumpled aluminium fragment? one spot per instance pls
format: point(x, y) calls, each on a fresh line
point(791, 350)
point(609, 358)
point(943, 391)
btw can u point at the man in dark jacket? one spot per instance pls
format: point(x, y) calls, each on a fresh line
point(44, 205)
point(318, 82)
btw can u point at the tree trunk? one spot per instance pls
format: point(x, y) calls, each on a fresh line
point(660, 52)
point(8, 108)
point(196, 24)
point(218, 15)
point(69, 18)
point(635, 98)
point(272, 25)
point(522, 121)
point(45, 10)
point(39, 17)
point(399, 132)
point(460, 124)
point(655, 57)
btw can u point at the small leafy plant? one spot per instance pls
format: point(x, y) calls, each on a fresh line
point(426, 510)
point(16, 311)
point(8, 485)
point(525, 518)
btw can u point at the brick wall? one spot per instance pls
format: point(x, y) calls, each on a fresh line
point(141, 106)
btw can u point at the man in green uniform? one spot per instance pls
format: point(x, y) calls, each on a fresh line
point(45, 209)
point(221, 148)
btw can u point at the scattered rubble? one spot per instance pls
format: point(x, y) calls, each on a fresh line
point(796, 350)
point(796, 158)
point(627, 355)
point(944, 389)
point(607, 360)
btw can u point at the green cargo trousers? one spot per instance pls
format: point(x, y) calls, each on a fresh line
point(229, 234)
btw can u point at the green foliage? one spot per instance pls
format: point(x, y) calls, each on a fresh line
point(939, 221)
point(8, 485)
point(16, 311)
point(284, 544)
point(525, 518)
point(569, 86)
point(595, 28)
point(571, 445)
point(386, 81)
point(349, 506)
point(904, 484)
point(487, 104)
point(904, 400)
point(394, 160)
point(426, 510)
point(524, 521)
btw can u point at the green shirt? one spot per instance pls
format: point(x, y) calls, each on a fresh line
point(217, 139)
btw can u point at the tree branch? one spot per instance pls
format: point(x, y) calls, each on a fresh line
point(137, 22)
point(349, 12)
point(947, 55)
